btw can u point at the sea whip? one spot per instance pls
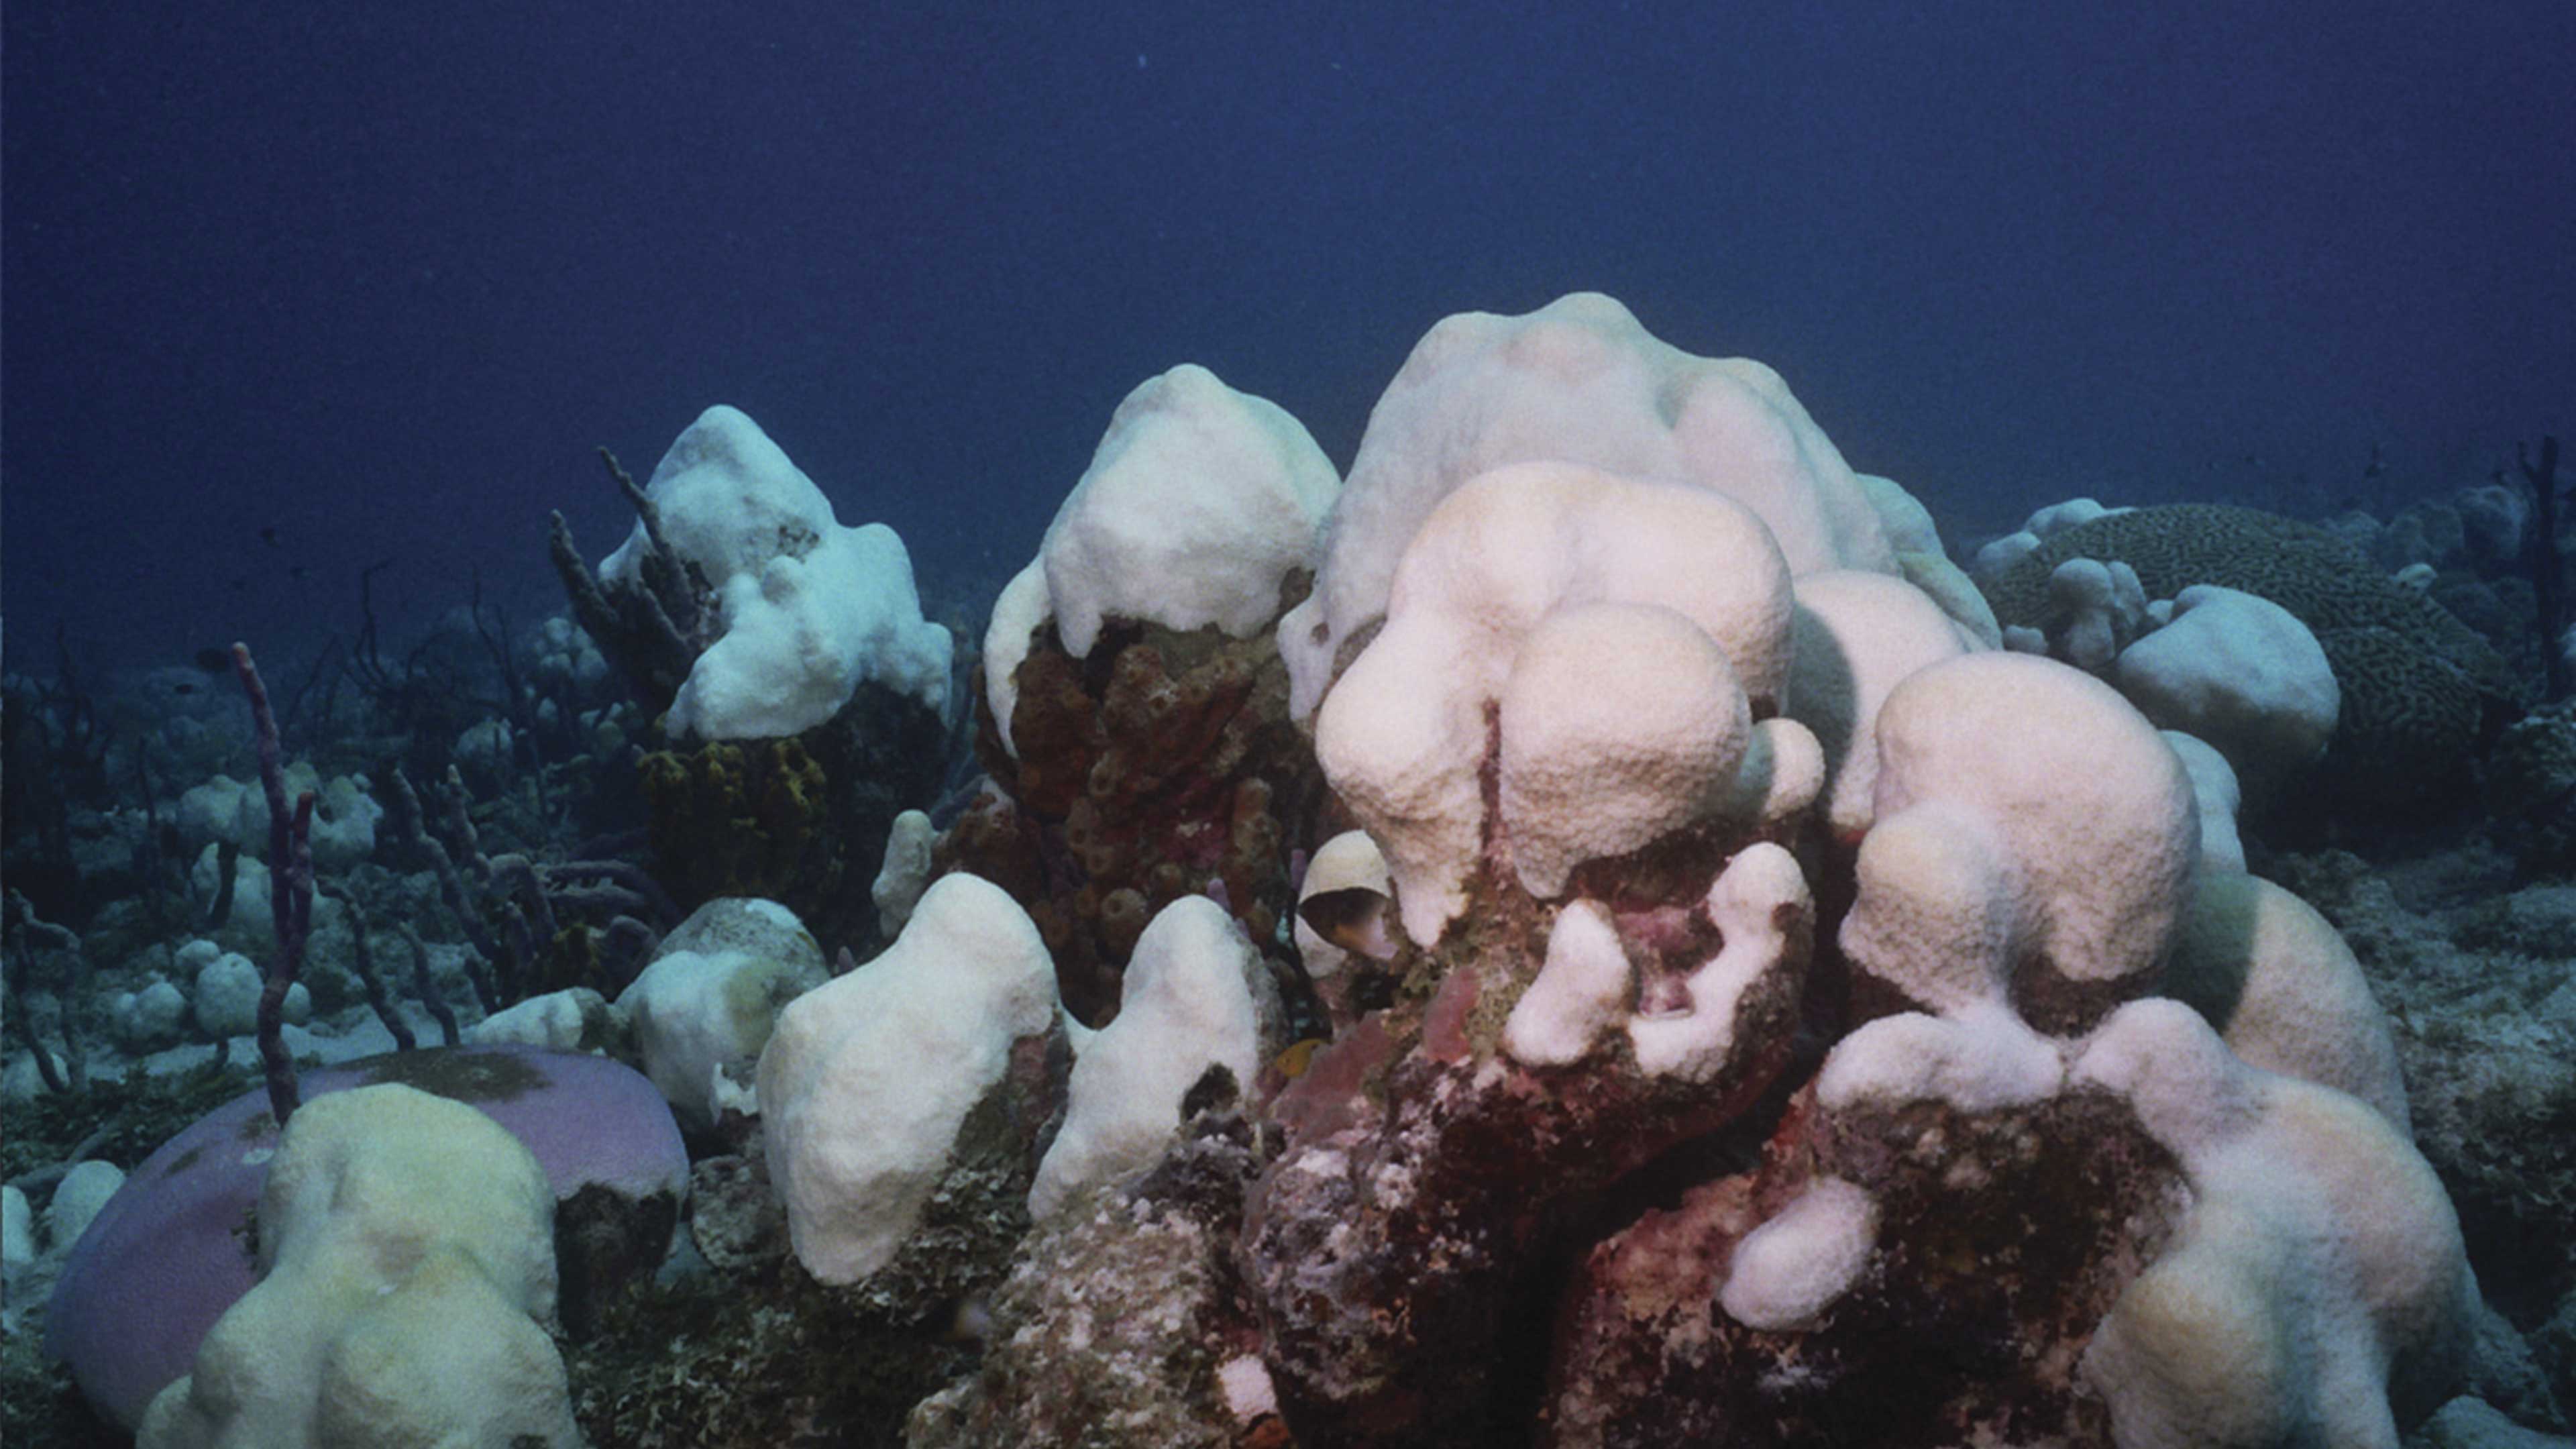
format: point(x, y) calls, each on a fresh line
point(290, 897)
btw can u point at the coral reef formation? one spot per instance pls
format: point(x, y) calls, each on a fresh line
point(1579, 937)
point(1818, 1117)
point(800, 820)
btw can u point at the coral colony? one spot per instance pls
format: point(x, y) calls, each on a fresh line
point(1590, 930)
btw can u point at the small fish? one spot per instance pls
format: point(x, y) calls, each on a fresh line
point(214, 661)
point(240, 584)
point(1293, 1062)
point(268, 536)
point(183, 687)
point(1353, 919)
point(297, 571)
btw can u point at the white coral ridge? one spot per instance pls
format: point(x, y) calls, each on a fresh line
point(2217, 795)
point(1926, 564)
point(1762, 910)
point(866, 1080)
point(1018, 611)
point(1579, 381)
point(1198, 504)
point(1582, 990)
point(2317, 1274)
point(407, 1269)
point(1979, 1057)
point(1634, 720)
point(905, 873)
point(806, 610)
point(1184, 1008)
point(2024, 812)
point(2285, 992)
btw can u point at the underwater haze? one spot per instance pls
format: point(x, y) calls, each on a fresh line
point(291, 290)
point(1578, 726)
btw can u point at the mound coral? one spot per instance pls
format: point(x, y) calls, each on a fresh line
point(1749, 997)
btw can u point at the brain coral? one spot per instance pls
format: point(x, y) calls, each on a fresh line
point(2415, 680)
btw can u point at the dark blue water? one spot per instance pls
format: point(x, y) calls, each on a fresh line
point(377, 277)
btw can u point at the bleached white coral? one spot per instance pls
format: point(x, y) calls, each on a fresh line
point(807, 610)
point(1577, 381)
point(2318, 1273)
point(1198, 502)
point(1762, 910)
point(1859, 635)
point(1802, 1258)
point(2025, 814)
point(1582, 990)
point(1619, 724)
point(1184, 1007)
point(1404, 735)
point(407, 1254)
point(866, 1079)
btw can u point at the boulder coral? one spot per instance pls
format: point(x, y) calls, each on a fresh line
point(1759, 1009)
